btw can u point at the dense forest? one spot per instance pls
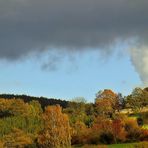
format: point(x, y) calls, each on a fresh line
point(32, 122)
point(42, 100)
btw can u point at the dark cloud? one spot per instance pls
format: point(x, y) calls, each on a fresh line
point(28, 26)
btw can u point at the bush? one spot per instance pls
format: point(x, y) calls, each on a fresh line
point(144, 135)
point(17, 138)
point(133, 130)
point(106, 138)
point(118, 130)
point(80, 134)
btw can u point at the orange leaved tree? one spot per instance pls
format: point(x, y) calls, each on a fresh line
point(106, 102)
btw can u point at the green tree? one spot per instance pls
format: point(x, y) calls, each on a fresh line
point(76, 110)
point(138, 99)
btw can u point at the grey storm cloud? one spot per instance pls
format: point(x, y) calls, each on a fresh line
point(28, 26)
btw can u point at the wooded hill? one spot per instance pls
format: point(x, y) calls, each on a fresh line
point(42, 100)
point(38, 122)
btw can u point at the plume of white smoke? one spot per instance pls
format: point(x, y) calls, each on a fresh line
point(139, 58)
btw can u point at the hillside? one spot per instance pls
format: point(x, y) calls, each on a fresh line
point(42, 100)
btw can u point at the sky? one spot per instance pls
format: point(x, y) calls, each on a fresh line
point(66, 49)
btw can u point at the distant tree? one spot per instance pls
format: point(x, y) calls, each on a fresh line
point(42, 100)
point(138, 99)
point(79, 100)
point(90, 114)
point(106, 102)
point(56, 132)
point(103, 107)
point(106, 93)
point(19, 107)
point(89, 108)
point(121, 99)
point(35, 108)
point(76, 111)
point(4, 105)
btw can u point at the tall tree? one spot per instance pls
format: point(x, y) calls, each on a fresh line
point(56, 133)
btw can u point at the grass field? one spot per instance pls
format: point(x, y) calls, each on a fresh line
point(127, 145)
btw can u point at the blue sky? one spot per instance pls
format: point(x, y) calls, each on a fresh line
point(66, 49)
point(83, 76)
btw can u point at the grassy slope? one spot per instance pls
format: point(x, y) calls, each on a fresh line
point(126, 145)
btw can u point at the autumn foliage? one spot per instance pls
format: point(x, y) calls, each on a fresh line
point(110, 119)
point(56, 132)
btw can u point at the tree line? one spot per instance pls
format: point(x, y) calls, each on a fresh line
point(26, 122)
point(42, 100)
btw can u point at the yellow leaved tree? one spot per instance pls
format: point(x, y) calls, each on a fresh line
point(56, 132)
